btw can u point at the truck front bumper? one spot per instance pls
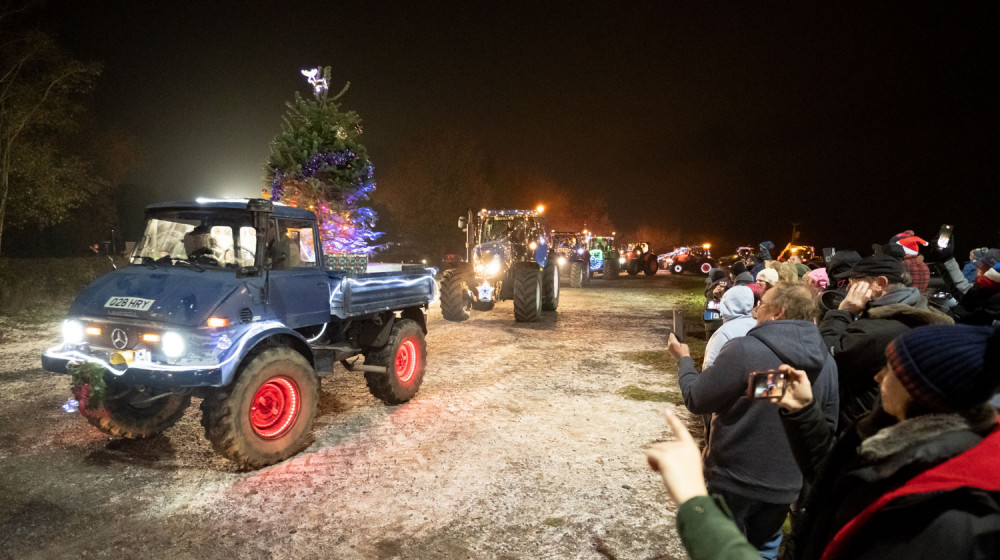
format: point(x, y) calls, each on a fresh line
point(58, 358)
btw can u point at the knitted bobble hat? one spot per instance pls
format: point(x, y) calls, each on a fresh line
point(947, 368)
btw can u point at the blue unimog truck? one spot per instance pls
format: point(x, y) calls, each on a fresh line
point(508, 256)
point(234, 301)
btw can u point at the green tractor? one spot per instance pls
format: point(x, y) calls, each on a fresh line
point(604, 257)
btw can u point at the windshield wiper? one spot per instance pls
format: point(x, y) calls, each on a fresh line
point(187, 264)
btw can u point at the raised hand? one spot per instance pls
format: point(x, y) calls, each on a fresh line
point(678, 462)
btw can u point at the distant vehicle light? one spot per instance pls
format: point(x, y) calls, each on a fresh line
point(579, 251)
point(541, 208)
point(532, 245)
point(706, 246)
point(621, 260)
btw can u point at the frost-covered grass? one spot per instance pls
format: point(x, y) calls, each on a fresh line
point(34, 290)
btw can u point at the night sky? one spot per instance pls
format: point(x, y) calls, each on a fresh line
point(726, 122)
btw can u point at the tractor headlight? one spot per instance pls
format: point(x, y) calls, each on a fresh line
point(621, 260)
point(493, 268)
point(579, 251)
point(561, 261)
point(172, 344)
point(72, 331)
point(532, 245)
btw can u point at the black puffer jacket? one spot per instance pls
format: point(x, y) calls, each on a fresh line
point(859, 345)
point(953, 513)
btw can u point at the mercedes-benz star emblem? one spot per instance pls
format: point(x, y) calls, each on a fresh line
point(119, 339)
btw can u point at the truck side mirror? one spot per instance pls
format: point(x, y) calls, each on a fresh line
point(462, 223)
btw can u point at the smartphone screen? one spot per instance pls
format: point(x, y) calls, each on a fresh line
point(766, 384)
point(944, 235)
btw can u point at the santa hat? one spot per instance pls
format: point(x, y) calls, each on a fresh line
point(908, 241)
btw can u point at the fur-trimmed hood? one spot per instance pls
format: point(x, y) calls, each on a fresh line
point(916, 315)
point(928, 438)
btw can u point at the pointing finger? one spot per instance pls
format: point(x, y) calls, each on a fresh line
point(675, 424)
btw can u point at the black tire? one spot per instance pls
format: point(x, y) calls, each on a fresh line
point(527, 293)
point(613, 266)
point(633, 267)
point(455, 302)
point(130, 417)
point(608, 270)
point(651, 266)
point(405, 360)
point(243, 430)
point(678, 268)
point(588, 274)
point(577, 274)
point(550, 286)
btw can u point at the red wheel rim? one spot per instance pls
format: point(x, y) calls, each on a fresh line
point(407, 359)
point(274, 407)
point(706, 268)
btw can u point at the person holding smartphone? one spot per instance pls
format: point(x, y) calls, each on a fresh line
point(918, 478)
point(746, 459)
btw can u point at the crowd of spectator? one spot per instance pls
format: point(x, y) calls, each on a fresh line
point(884, 441)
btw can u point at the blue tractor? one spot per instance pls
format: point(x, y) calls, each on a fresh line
point(509, 257)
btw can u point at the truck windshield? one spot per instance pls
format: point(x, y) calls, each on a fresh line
point(203, 237)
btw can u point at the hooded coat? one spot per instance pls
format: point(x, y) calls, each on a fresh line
point(925, 487)
point(747, 453)
point(736, 308)
point(859, 345)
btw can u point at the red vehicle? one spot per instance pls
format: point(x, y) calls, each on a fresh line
point(689, 259)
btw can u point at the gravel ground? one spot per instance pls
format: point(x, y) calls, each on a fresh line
point(522, 443)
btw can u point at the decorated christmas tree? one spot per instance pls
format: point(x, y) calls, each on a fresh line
point(317, 163)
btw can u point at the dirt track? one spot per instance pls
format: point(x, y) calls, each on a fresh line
point(520, 444)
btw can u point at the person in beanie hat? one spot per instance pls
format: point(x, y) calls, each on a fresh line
point(917, 478)
point(878, 307)
point(920, 273)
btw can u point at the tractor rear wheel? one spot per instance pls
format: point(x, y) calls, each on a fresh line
point(455, 302)
point(527, 293)
point(550, 286)
point(651, 265)
point(577, 274)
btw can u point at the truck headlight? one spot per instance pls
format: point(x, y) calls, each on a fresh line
point(72, 331)
point(172, 344)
